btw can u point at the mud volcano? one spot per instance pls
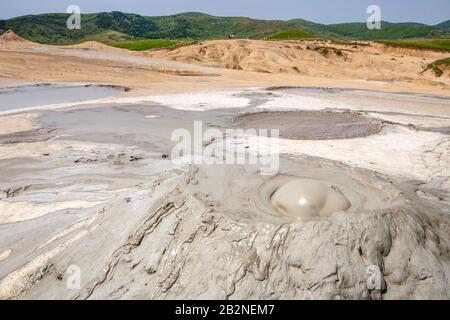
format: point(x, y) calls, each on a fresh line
point(308, 199)
point(311, 125)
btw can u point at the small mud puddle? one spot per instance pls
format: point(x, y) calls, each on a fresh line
point(45, 94)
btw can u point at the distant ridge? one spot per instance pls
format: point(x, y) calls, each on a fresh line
point(51, 28)
point(444, 25)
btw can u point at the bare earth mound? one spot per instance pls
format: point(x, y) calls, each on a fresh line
point(10, 40)
point(95, 45)
point(11, 36)
point(318, 58)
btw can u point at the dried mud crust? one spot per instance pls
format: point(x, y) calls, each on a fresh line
point(311, 125)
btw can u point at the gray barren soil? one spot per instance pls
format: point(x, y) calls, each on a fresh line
point(94, 190)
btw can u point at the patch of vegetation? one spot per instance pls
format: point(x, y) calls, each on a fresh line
point(108, 37)
point(131, 24)
point(350, 43)
point(421, 44)
point(327, 51)
point(291, 34)
point(437, 66)
point(141, 45)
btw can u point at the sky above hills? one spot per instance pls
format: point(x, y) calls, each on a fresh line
point(323, 11)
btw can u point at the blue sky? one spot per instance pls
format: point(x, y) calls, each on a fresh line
point(324, 11)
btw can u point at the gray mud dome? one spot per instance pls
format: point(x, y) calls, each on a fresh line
point(311, 125)
point(308, 199)
point(206, 242)
point(216, 236)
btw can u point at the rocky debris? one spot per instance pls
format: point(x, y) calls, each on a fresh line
point(135, 158)
point(116, 159)
point(14, 191)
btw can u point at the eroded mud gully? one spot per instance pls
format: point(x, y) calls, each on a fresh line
point(97, 192)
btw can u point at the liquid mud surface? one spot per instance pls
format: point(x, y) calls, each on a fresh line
point(37, 95)
point(309, 199)
point(312, 125)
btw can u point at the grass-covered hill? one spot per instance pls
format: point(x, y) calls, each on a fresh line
point(444, 26)
point(425, 44)
point(290, 34)
point(118, 26)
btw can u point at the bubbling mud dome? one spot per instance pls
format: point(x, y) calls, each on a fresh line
point(302, 190)
point(311, 125)
point(305, 198)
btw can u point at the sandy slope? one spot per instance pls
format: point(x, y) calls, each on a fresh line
point(10, 40)
point(368, 61)
point(258, 63)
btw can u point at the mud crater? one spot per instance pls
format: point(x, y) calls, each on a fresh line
point(305, 188)
point(311, 125)
point(309, 199)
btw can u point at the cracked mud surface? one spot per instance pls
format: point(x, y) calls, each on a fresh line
point(99, 192)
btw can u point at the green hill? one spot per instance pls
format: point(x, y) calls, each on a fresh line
point(429, 44)
point(387, 31)
point(443, 26)
point(118, 26)
point(291, 34)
